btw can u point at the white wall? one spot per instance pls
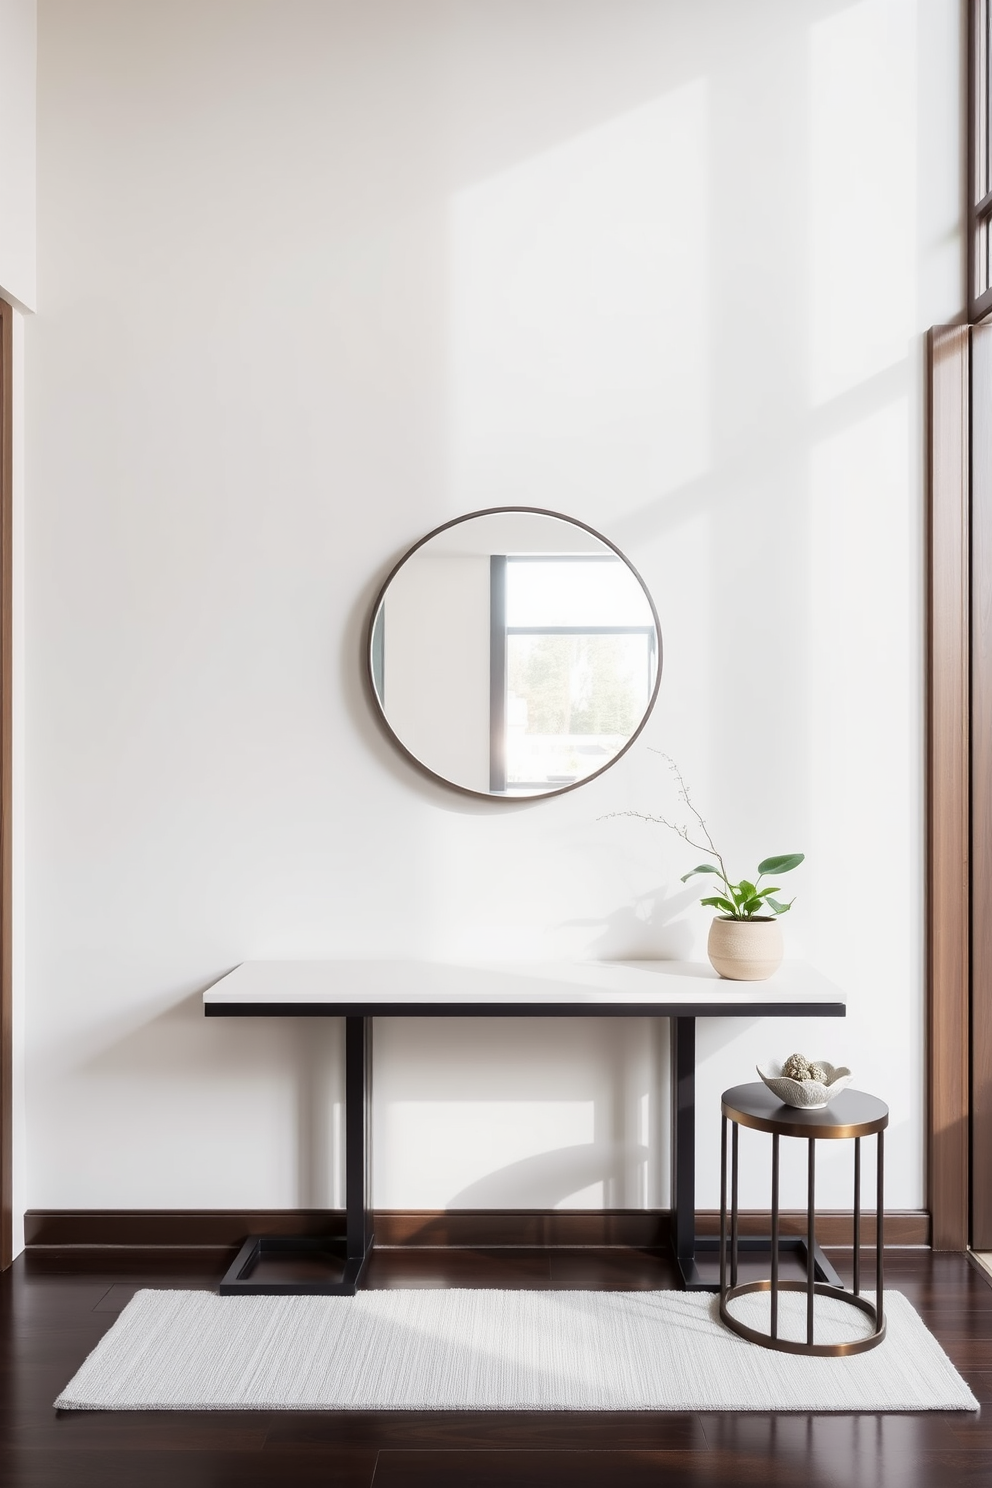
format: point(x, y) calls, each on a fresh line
point(315, 278)
point(18, 58)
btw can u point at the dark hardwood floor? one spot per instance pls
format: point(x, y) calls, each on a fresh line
point(54, 1306)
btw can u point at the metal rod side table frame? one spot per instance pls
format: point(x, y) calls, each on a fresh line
point(815, 1285)
point(238, 1280)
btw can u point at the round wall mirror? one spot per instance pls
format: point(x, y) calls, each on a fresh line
point(514, 652)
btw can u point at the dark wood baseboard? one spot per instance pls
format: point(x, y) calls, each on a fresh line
point(833, 1226)
point(471, 1229)
point(528, 1228)
point(167, 1228)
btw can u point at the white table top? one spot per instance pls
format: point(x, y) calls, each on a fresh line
point(407, 988)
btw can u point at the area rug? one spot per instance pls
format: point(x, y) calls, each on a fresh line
point(499, 1350)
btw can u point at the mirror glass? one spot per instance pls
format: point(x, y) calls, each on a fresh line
point(514, 652)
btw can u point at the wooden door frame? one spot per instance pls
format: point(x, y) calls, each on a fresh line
point(948, 793)
point(959, 816)
point(980, 1191)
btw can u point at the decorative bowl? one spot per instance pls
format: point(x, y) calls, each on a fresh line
point(809, 1095)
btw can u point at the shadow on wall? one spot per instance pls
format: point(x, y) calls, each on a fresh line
point(495, 1113)
point(645, 930)
point(548, 1179)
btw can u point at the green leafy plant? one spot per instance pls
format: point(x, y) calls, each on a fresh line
point(745, 900)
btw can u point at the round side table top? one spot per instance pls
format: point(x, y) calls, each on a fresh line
point(849, 1114)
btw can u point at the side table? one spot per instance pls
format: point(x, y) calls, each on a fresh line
point(850, 1116)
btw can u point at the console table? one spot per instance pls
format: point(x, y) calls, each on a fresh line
point(360, 991)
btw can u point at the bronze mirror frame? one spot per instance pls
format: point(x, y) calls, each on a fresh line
point(379, 710)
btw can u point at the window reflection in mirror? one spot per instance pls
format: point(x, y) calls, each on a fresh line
point(514, 653)
point(580, 657)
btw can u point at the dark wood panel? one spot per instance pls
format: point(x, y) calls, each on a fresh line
point(144, 1431)
point(415, 1228)
point(711, 1468)
point(510, 1266)
point(189, 1467)
point(479, 1431)
point(948, 794)
point(460, 1229)
point(553, 1227)
point(981, 787)
point(833, 1226)
point(157, 1228)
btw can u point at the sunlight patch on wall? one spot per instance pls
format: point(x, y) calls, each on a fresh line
point(578, 294)
point(862, 193)
point(866, 707)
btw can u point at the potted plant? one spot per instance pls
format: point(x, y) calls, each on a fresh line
point(745, 939)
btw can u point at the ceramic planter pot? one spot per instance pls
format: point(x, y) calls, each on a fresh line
point(745, 950)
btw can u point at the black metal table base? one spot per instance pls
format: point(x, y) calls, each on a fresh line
point(694, 1281)
point(241, 1280)
point(246, 1276)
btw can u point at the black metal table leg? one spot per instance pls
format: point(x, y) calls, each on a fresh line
point(358, 1148)
point(683, 1065)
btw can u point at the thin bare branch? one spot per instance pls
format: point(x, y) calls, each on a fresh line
point(683, 832)
point(662, 821)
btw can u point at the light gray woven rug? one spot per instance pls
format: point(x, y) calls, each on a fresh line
point(497, 1350)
